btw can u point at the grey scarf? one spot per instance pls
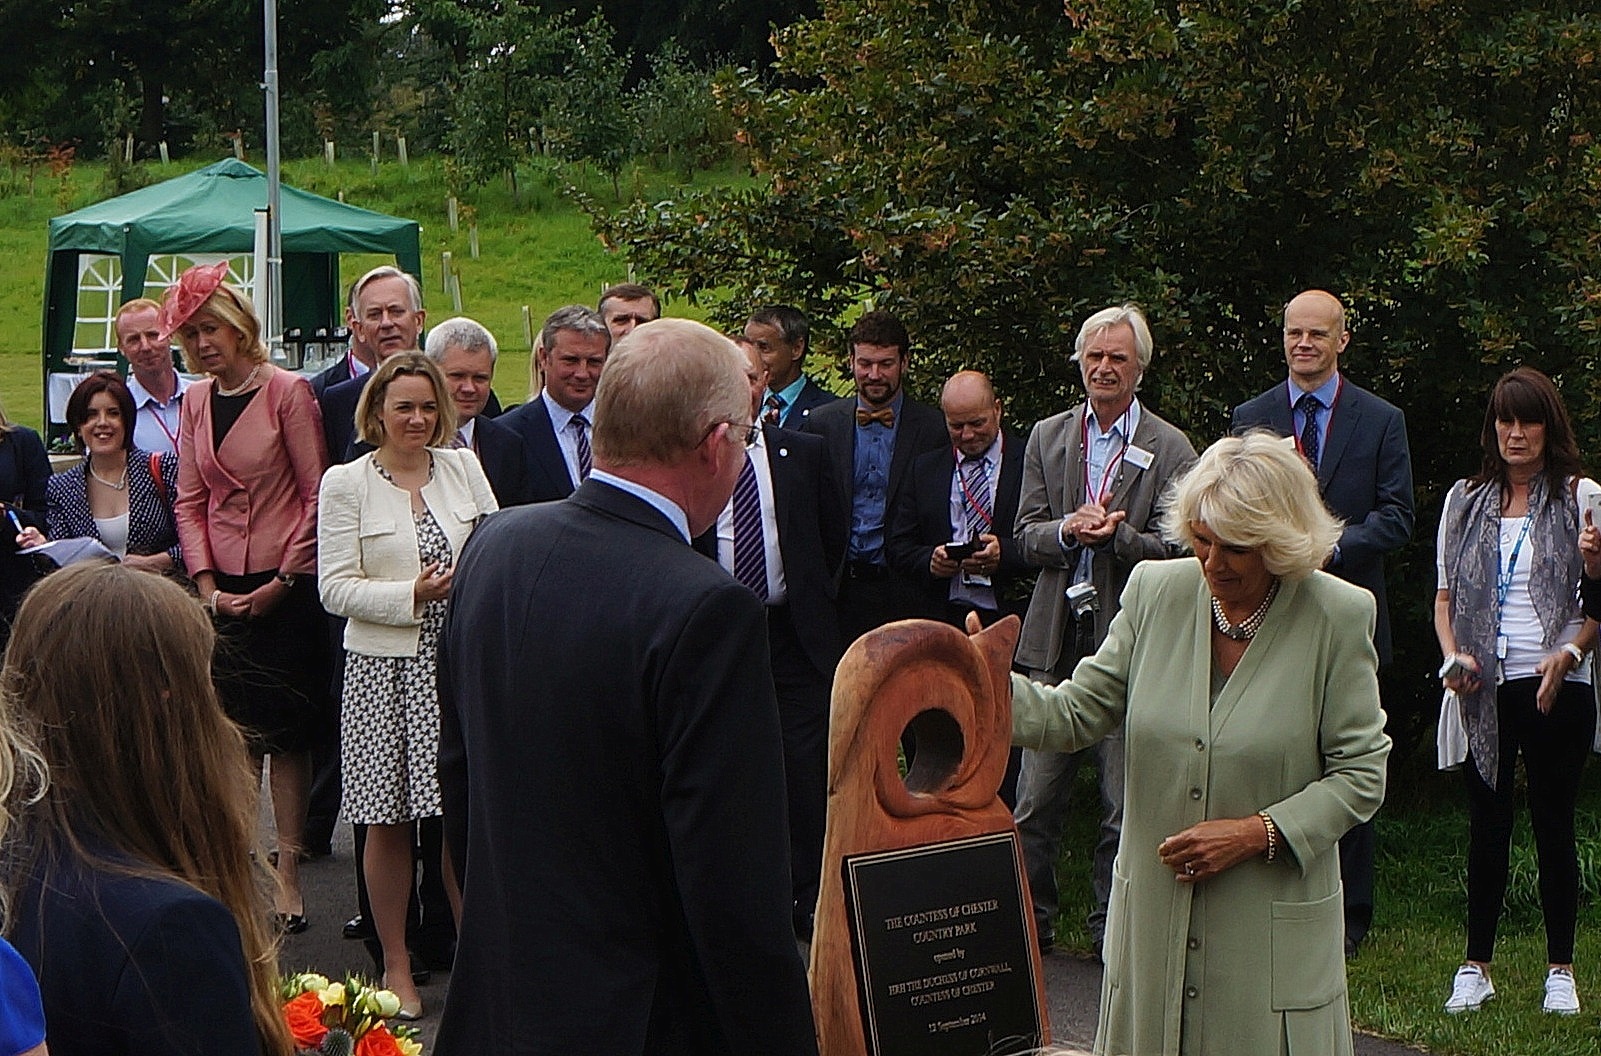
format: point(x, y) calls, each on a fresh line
point(1472, 558)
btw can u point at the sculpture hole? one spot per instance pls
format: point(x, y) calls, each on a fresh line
point(933, 742)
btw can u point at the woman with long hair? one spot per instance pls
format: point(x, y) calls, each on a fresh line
point(1516, 648)
point(129, 874)
point(393, 523)
point(118, 495)
point(250, 460)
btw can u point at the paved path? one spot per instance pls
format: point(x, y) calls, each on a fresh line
point(1072, 984)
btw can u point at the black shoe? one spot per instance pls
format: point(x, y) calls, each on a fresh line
point(1098, 945)
point(357, 928)
point(1351, 946)
point(291, 923)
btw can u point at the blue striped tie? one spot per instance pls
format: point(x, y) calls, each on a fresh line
point(750, 549)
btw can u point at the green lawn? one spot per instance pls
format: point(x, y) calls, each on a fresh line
point(536, 251)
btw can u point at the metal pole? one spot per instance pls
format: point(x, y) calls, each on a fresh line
point(274, 277)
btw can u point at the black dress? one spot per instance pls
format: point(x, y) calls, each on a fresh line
point(24, 472)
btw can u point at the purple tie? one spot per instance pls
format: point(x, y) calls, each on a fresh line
point(580, 427)
point(750, 550)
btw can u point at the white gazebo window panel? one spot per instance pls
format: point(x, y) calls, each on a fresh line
point(99, 293)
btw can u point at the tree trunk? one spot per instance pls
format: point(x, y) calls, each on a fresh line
point(152, 113)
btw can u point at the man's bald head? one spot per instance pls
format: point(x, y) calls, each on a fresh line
point(972, 412)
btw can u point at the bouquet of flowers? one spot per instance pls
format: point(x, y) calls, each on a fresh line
point(344, 1019)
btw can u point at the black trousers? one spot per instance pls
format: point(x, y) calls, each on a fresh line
point(803, 705)
point(1554, 748)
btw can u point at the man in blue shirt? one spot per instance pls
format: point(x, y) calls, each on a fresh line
point(872, 440)
point(781, 336)
point(1356, 444)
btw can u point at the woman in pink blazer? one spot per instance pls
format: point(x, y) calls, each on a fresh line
point(250, 460)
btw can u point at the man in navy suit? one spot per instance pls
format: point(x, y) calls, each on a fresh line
point(1356, 443)
point(648, 912)
point(466, 354)
point(388, 319)
point(972, 501)
point(359, 359)
point(781, 335)
point(872, 441)
point(556, 425)
point(781, 536)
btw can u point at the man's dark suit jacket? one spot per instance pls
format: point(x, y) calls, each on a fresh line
point(918, 429)
point(810, 532)
point(648, 912)
point(811, 397)
point(548, 477)
point(1365, 476)
point(331, 375)
point(922, 520)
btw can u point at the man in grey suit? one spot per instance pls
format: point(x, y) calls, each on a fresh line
point(1356, 443)
point(1093, 479)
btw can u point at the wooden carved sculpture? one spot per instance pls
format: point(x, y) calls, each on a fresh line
point(952, 692)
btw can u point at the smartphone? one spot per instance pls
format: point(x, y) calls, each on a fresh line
point(960, 551)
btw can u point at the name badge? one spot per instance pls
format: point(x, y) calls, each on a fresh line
point(1137, 456)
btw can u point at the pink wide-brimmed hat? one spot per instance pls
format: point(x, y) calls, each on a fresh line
point(184, 297)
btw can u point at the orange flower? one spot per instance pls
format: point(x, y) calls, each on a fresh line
point(304, 1016)
point(378, 1042)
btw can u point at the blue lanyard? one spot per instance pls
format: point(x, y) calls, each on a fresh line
point(1503, 582)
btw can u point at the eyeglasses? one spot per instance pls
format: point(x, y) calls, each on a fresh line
point(751, 429)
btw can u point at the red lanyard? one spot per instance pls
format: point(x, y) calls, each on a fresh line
point(1338, 389)
point(1092, 493)
point(155, 412)
point(968, 498)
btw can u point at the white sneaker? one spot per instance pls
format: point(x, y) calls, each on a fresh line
point(1560, 995)
point(1471, 988)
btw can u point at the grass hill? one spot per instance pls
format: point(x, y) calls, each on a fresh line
point(535, 250)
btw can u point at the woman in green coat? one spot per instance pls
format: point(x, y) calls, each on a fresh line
point(1248, 685)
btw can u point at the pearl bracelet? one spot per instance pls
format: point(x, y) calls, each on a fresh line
point(1272, 851)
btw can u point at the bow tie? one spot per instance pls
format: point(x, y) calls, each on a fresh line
point(884, 416)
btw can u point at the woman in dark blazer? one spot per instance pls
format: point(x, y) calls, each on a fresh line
point(24, 469)
point(118, 495)
point(132, 893)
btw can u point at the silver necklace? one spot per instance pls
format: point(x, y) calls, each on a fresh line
point(1246, 629)
point(243, 385)
point(114, 485)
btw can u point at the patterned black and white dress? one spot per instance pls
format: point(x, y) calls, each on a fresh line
point(389, 726)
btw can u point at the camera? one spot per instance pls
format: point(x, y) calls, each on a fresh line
point(1083, 600)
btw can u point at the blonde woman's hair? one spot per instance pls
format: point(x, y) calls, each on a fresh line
point(234, 309)
point(370, 405)
point(108, 675)
point(1256, 491)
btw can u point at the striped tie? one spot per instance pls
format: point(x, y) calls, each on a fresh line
point(976, 496)
point(750, 550)
point(580, 427)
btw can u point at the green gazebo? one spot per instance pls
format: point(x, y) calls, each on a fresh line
point(101, 255)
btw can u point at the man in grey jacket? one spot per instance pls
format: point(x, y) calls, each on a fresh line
point(1093, 478)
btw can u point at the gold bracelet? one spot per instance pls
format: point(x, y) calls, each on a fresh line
point(1272, 835)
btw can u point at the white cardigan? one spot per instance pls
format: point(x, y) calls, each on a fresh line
point(367, 559)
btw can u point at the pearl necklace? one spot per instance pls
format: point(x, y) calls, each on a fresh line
point(1246, 629)
point(114, 485)
point(243, 385)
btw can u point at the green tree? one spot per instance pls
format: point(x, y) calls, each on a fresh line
point(994, 171)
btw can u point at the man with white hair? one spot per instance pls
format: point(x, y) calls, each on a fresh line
point(1086, 515)
point(466, 352)
point(648, 912)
